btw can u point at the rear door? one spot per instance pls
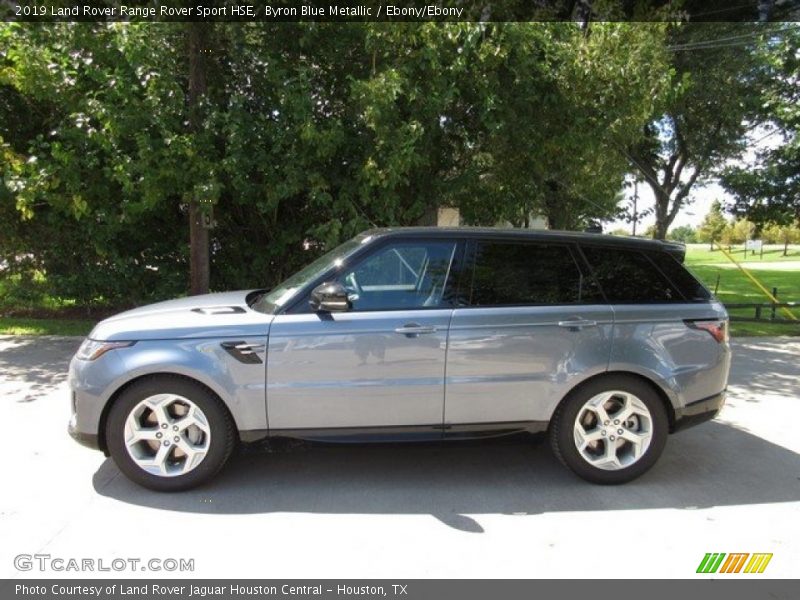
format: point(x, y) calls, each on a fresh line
point(534, 325)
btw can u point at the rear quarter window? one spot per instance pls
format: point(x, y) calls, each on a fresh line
point(691, 289)
point(628, 276)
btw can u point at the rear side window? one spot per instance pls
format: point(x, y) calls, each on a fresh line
point(691, 289)
point(627, 276)
point(508, 274)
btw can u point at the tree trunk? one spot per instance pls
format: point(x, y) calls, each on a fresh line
point(662, 212)
point(198, 231)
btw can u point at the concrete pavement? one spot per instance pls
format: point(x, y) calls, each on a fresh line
point(492, 509)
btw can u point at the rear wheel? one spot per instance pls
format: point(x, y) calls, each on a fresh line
point(169, 433)
point(611, 430)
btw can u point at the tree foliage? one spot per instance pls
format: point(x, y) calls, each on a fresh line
point(683, 233)
point(304, 134)
point(769, 190)
point(712, 104)
point(714, 223)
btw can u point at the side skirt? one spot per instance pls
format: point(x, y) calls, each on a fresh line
point(413, 433)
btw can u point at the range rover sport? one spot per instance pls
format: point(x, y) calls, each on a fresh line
point(609, 344)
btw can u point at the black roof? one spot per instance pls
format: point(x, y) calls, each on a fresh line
point(549, 235)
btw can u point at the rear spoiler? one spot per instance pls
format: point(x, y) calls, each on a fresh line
point(675, 249)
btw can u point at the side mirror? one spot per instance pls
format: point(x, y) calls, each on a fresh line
point(330, 297)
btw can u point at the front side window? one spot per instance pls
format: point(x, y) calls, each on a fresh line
point(514, 274)
point(401, 275)
point(281, 294)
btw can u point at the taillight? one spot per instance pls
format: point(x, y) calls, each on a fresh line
point(718, 328)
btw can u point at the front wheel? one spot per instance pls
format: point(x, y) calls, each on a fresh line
point(611, 430)
point(169, 433)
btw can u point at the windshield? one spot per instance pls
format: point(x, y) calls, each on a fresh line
point(272, 300)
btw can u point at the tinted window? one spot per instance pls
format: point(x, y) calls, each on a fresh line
point(691, 289)
point(401, 275)
point(627, 276)
point(514, 274)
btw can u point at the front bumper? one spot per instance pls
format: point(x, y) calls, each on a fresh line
point(89, 383)
point(90, 440)
point(698, 412)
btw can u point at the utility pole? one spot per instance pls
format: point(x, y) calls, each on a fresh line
point(635, 204)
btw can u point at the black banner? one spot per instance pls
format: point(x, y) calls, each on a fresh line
point(433, 589)
point(404, 10)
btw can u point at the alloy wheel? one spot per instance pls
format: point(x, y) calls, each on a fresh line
point(613, 430)
point(167, 435)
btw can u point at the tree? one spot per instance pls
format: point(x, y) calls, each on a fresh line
point(741, 231)
point(546, 107)
point(199, 214)
point(649, 231)
point(683, 233)
point(703, 120)
point(279, 152)
point(769, 190)
point(713, 225)
point(775, 233)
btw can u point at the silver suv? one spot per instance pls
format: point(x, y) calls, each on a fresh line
point(606, 343)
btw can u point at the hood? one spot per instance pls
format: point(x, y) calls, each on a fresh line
point(211, 315)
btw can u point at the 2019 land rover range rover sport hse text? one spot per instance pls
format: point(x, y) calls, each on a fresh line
point(609, 344)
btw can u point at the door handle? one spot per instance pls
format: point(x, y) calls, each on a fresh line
point(413, 329)
point(577, 324)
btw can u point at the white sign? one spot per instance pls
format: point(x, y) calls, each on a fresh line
point(754, 245)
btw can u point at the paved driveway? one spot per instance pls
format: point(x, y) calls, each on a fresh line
point(502, 509)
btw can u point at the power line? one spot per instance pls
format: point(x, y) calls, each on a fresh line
point(704, 44)
point(728, 45)
point(724, 10)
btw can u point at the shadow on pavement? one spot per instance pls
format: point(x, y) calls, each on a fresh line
point(31, 367)
point(712, 465)
point(765, 366)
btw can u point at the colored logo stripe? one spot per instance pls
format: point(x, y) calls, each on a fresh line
point(733, 564)
point(758, 563)
point(710, 562)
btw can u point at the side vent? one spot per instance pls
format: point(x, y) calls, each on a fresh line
point(244, 352)
point(219, 310)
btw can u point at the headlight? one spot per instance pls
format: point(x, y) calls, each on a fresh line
point(92, 349)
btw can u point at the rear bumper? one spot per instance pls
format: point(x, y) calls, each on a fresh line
point(698, 412)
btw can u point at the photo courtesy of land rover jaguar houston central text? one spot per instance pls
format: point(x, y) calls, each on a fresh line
point(607, 343)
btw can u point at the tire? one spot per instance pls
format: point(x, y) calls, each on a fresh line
point(169, 434)
point(601, 448)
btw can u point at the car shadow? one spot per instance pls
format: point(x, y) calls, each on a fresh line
point(712, 465)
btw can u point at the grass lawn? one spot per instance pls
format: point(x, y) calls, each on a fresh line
point(713, 268)
point(700, 253)
point(25, 326)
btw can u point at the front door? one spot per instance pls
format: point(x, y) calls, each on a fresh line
point(380, 364)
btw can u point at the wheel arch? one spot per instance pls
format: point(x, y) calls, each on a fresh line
point(659, 390)
point(101, 433)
